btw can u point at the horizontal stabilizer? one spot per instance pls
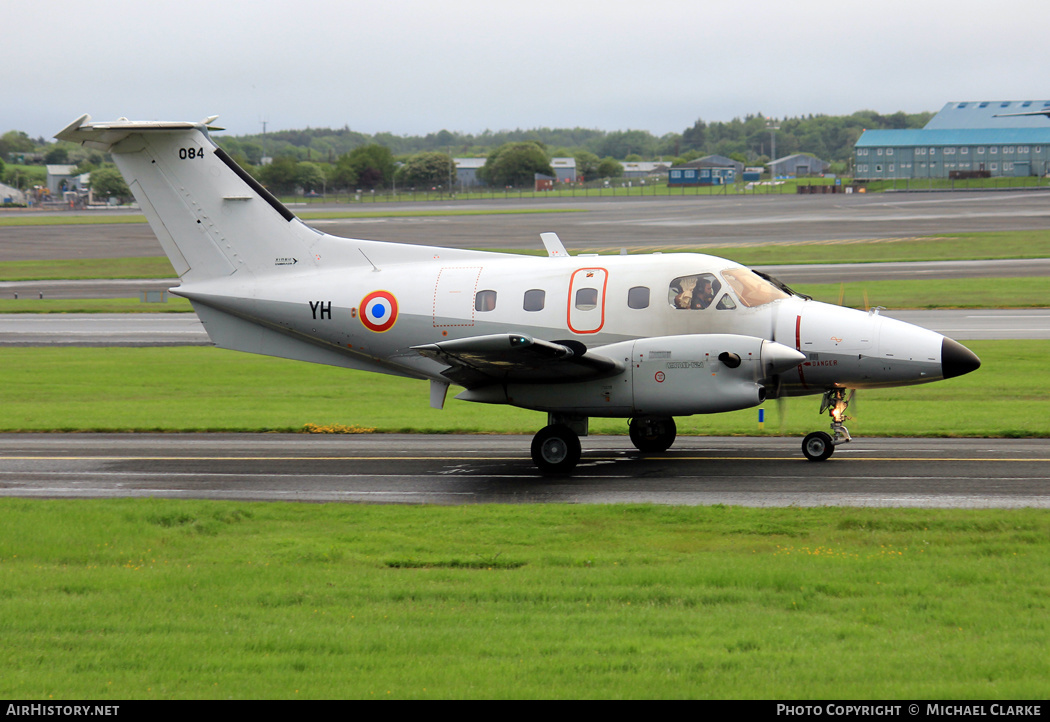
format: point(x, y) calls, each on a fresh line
point(104, 135)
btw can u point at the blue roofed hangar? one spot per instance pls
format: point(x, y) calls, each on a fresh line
point(982, 139)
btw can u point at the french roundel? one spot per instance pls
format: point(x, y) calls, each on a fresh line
point(379, 311)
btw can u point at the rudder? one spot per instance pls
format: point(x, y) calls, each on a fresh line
point(211, 218)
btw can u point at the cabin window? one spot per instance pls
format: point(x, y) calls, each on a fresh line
point(638, 297)
point(485, 301)
point(693, 292)
point(752, 289)
point(587, 299)
point(535, 299)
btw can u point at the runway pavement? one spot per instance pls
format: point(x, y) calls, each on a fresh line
point(184, 329)
point(607, 224)
point(409, 469)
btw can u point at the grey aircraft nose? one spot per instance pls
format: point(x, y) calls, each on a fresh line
point(956, 359)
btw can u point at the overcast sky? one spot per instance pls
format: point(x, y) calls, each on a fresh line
point(419, 66)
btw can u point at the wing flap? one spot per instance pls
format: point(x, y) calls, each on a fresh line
point(510, 357)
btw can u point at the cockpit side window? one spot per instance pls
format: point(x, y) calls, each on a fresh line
point(693, 292)
point(752, 289)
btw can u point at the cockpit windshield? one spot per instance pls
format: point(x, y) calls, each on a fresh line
point(693, 292)
point(752, 289)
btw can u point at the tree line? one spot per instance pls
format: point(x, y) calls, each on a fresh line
point(316, 160)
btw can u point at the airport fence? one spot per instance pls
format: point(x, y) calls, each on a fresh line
point(640, 188)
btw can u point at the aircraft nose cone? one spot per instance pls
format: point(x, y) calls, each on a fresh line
point(956, 359)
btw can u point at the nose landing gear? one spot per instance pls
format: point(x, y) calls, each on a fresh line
point(819, 445)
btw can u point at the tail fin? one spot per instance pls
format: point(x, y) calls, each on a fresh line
point(210, 216)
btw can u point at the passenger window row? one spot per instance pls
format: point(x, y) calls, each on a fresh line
point(694, 292)
point(586, 299)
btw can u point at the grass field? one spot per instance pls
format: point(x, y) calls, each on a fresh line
point(154, 599)
point(93, 305)
point(207, 389)
point(934, 293)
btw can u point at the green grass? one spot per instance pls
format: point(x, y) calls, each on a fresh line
point(947, 247)
point(155, 599)
point(29, 218)
point(935, 293)
point(86, 268)
point(93, 305)
point(326, 215)
point(207, 389)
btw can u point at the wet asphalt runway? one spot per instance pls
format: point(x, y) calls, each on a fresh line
point(410, 469)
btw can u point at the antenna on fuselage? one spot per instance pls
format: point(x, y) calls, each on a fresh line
point(374, 266)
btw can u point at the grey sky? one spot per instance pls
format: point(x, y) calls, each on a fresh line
point(415, 66)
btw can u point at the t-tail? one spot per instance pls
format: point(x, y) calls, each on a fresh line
point(212, 219)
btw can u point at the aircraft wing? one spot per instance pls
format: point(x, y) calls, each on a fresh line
point(514, 357)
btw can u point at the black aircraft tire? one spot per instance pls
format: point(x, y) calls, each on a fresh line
point(653, 443)
point(817, 446)
point(556, 449)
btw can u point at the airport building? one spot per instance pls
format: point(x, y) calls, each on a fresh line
point(798, 165)
point(709, 170)
point(467, 171)
point(964, 140)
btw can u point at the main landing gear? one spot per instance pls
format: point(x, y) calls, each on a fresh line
point(653, 435)
point(819, 445)
point(556, 447)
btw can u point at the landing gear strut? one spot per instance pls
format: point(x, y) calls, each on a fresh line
point(819, 445)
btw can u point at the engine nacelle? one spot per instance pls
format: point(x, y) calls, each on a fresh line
point(664, 376)
point(696, 374)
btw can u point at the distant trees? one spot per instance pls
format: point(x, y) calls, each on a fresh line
point(310, 177)
point(429, 169)
point(280, 175)
point(587, 165)
point(317, 159)
point(610, 168)
point(107, 182)
point(370, 166)
point(622, 143)
point(515, 164)
point(58, 155)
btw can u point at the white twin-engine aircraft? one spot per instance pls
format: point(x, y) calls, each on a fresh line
point(642, 337)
